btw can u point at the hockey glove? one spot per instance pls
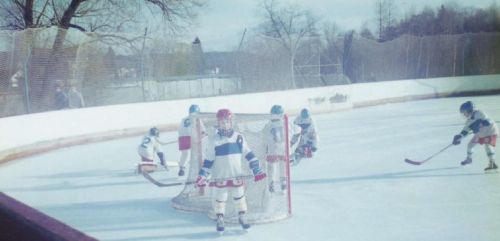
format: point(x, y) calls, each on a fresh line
point(201, 181)
point(260, 176)
point(311, 146)
point(457, 139)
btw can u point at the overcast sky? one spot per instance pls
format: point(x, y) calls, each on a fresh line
point(222, 24)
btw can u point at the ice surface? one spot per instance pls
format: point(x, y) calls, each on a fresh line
point(357, 187)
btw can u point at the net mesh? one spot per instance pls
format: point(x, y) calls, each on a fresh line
point(263, 206)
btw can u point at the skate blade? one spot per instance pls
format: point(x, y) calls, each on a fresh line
point(491, 171)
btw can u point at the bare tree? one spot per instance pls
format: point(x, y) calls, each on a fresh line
point(288, 25)
point(20, 14)
point(89, 16)
point(385, 15)
point(331, 32)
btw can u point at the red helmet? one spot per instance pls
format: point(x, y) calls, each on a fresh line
point(224, 121)
point(224, 114)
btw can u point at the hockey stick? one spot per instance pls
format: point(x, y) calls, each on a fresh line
point(161, 184)
point(167, 143)
point(435, 154)
point(171, 184)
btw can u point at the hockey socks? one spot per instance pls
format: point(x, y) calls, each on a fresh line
point(220, 223)
point(242, 220)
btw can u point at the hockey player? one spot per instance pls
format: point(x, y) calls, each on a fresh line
point(276, 148)
point(485, 133)
point(147, 149)
point(223, 162)
point(185, 139)
point(308, 137)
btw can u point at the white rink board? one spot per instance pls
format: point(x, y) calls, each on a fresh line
point(58, 128)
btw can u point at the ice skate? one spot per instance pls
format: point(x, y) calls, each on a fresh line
point(220, 223)
point(271, 187)
point(492, 167)
point(283, 186)
point(242, 220)
point(467, 161)
point(181, 171)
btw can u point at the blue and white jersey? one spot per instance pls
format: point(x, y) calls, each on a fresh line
point(225, 157)
point(308, 133)
point(149, 147)
point(479, 124)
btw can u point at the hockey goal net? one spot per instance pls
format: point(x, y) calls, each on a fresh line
point(264, 205)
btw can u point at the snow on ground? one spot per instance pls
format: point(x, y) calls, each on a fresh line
point(357, 187)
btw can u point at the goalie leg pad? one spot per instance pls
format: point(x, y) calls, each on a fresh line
point(240, 202)
point(221, 195)
point(272, 171)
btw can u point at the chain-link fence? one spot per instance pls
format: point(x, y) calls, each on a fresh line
point(414, 57)
point(49, 68)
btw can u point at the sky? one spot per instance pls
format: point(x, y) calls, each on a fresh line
point(222, 24)
point(357, 186)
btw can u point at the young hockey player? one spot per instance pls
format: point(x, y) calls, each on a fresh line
point(147, 149)
point(308, 137)
point(185, 139)
point(276, 148)
point(223, 162)
point(485, 133)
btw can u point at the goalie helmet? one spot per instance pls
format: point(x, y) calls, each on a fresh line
point(224, 120)
point(194, 109)
point(467, 107)
point(154, 132)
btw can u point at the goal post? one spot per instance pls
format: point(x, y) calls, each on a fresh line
point(263, 204)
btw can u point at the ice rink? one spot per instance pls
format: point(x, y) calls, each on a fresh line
point(356, 187)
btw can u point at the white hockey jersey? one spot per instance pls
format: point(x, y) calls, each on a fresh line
point(149, 147)
point(275, 141)
point(480, 124)
point(224, 157)
point(188, 127)
point(308, 133)
point(185, 127)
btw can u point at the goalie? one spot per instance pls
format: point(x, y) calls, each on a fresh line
point(223, 162)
